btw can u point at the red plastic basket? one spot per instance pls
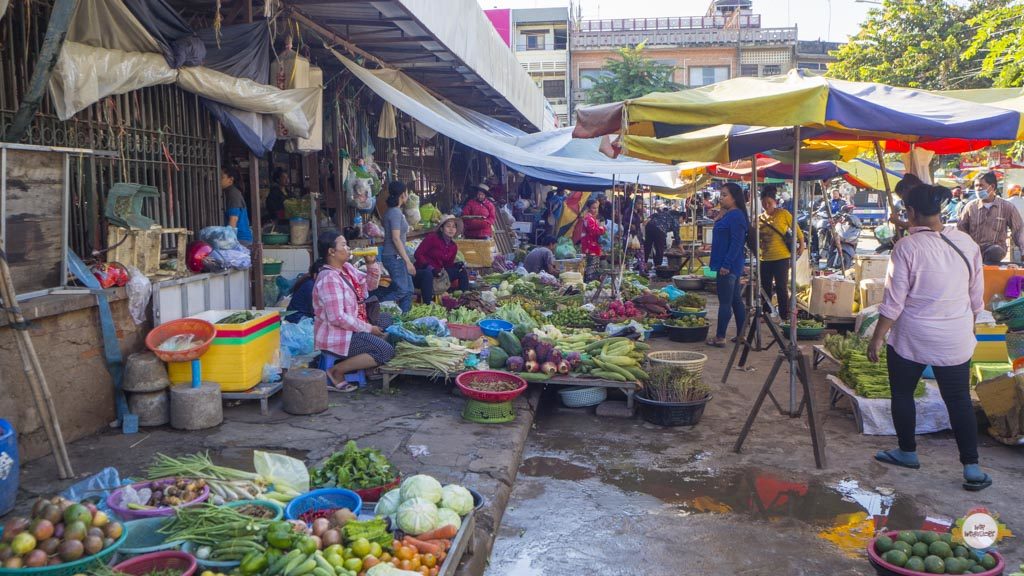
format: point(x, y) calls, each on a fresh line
point(158, 561)
point(466, 378)
point(374, 494)
point(204, 331)
point(465, 331)
point(886, 569)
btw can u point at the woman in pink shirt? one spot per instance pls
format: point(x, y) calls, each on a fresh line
point(930, 322)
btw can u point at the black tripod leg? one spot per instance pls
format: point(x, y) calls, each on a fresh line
point(817, 434)
point(765, 391)
point(732, 356)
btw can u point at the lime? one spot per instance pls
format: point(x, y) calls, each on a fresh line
point(940, 549)
point(934, 565)
point(914, 564)
point(903, 547)
point(883, 544)
point(927, 536)
point(961, 552)
point(908, 536)
point(895, 557)
point(988, 561)
point(920, 550)
point(360, 548)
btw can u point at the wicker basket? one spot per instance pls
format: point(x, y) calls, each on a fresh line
point(692, 362)
point(583, 396)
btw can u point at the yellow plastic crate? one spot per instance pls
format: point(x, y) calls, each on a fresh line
point(688, 233)
point(236, 358)
point(478, 253)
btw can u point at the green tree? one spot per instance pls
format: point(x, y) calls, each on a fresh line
point(630, 76)
point(914, 43)
point(999, 41)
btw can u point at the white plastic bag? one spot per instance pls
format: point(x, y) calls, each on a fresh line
point(281, 470)
point(140, 290)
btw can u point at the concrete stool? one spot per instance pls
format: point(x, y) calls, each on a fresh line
point(196, 408)
point(152, 408)
point(305, 391)
point(144, 372)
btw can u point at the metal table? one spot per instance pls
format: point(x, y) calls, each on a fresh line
point(262, 392)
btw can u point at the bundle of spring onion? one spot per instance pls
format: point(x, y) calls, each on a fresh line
point(217, 532)
point(444, 360)
point(226, 484)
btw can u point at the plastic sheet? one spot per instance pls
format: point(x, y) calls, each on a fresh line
point(237, 259)
point(281, 470)
point(96, 488)
point(220, 237)
point(564, 249)
point(140, 290)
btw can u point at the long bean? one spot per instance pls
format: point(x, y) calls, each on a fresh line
point(210, 525)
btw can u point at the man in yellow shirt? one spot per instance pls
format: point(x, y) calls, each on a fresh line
point(774, 229)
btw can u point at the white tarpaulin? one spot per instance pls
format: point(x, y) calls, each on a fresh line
point(409, 97)
point(85, 74)
point(876, 413)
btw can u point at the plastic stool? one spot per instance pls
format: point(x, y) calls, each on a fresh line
point(358, 377)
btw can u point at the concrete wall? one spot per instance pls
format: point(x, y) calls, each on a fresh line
point(66, 333)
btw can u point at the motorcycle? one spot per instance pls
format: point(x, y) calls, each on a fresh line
point(819, 231)
point(847, 229)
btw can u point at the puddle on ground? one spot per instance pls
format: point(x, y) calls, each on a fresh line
point(764, 494)
point(241, 458)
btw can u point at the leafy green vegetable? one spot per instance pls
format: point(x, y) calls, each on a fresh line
point(465, 316)
point(424, 310)
point(354, 468)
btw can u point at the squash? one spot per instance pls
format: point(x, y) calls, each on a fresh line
point(510, 344)
point(497, 358)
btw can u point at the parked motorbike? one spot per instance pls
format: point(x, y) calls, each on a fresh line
point(847, 229)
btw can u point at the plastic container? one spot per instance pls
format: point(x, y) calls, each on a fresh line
point(9, 466)
point(275, 239)
point(374, 494)
point(299, 229)
point(583, 396)
point(237, 354)
point(465, 331)
point(144, 538)
point(884, 568)
point(492, 326)
point(158, 562)
point(272, 268)
point(203, 331)
point(466, 378)
point(123, 512)
point(274, 507)
point(671, 413)
point(324, 499)
point(488, 412)
point(80, 566)
point(682, 334)
point(805, 333)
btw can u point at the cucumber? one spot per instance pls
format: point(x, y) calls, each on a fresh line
point(614, 376)
point(638, 373)
point(533, 376)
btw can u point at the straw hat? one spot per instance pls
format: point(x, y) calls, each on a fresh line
point(445, 219)
point(483, 187)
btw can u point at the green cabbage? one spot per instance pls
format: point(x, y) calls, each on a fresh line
point(457, 499)
point(446, 517)
point(416, 516)
point(421, 486)
point(388, 503)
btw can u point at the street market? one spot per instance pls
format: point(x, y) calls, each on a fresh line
point(313, 288)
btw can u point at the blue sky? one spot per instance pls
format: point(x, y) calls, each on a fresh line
point(811, 16)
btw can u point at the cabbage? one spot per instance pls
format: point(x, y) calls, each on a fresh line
point(388, 503)
point(421, 486)
point(416, 516)
point(446, 517)
point(457, 499)
point(387, 569)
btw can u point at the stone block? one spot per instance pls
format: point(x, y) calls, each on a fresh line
point(196, 408)
point(305, 391)
point(144, 372)
point(152, 408)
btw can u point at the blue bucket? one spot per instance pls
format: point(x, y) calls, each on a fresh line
point(9, 467)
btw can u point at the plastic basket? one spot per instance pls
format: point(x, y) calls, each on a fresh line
point(464, 380)
point(488, 412)
point(374, 494)
point(884, 568)
point(1010, 311)
point(123, 512)
point(144, 538)
point(805, 333)
point(492, 326)
point(324, 499)
point(692, 362)
point(214, 565)
point(272, 268)
point(671, 413)
point(274, 507)
point(158, 562)
point(465, 331)
point(1015, 345)
point(583, 396)
point(80, 566)
point(684, 334)
point(202, 330)
point(9, 483)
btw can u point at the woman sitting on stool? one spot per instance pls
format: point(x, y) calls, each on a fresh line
point(342, 330)
point(436, 254)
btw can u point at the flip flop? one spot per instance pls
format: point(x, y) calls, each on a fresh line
point(978, 485)
point(716, 343)
point(333, 386)
point(886, 458)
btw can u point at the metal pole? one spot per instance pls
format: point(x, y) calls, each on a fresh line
point(885, 180)
point(755, 268)
point(792, 275)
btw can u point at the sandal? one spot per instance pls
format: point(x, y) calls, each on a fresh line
point(716, 342)
point(885, 457)
point(977, 485)
point(345, 387)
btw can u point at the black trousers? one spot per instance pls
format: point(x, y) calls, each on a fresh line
point(955, 387)
point(655, 243)
point(775, 275)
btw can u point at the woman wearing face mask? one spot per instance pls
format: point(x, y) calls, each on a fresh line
point(342, 330)
point(927, 321)
point(436, 255)
point(988, 218)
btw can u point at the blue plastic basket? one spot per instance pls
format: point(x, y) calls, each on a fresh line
point(492, 326)
point(8, 467)
point(324, 499)
point(143, 537)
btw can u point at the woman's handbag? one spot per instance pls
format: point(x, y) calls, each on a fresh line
point(442, 282)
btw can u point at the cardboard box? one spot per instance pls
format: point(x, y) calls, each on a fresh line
point(870, 266)
point(832, 297)
point(871, 292)
point(991, 343)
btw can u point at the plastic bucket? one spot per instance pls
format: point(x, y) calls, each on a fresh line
point(299, 231)
point(9, 467)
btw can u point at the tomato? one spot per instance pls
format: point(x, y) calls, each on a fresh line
point(360, 548)
point(405, 565)
point(405, 552)
point(424, 571)
point(385, 557)
point(415, 563)
point(429, 560)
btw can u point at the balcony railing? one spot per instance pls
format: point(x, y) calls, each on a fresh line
point(538, 47)
point(711, 36)
point(681, 23)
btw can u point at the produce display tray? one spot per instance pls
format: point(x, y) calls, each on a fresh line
point(627, 388)
point(820, 354)
point(874, 415)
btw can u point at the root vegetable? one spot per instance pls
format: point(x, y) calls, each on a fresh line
point(532, 366)
point(563, 367)
point(330, 538)
point(549, 368)
point(445, 532)
point(321, 525)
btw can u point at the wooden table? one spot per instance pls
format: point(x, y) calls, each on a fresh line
point(627, 388)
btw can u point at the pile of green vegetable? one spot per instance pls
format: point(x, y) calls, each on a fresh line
point(425, 310)
point(440, 359)
point(869, 379)
point(239, 318)
point(690, 300)
point(218, 532)
point(572, 317)
point(687, 322)
point(354, 468)
point(462, 315)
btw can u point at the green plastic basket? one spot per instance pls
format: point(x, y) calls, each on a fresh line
point(274, 507)
point(488, 412)
point(144, 537)
point(80, 566)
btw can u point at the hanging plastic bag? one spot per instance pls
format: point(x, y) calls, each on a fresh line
point(140, 289)
point(220, 237)
point(634, 242)
point(373, 230)
point(564, 250)
point(281, 471)
point(297, 339)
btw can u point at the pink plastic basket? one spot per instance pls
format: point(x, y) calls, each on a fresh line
point(466, 378)
point(125, 513)
point(158, 561)
point(884, 568)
